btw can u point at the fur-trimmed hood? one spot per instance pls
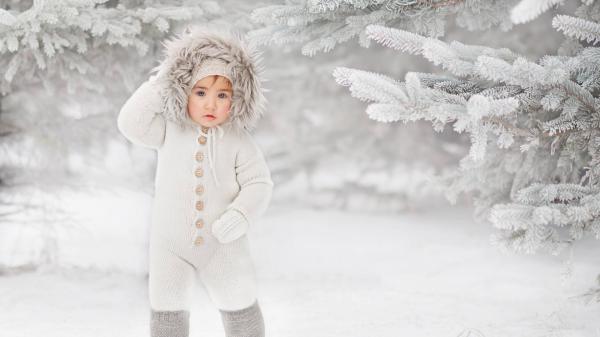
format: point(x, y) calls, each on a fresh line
point(188, 50)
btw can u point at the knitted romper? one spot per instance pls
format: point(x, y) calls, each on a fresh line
point(201, 174)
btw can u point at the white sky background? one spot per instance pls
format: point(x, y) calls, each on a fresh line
point(322, 272)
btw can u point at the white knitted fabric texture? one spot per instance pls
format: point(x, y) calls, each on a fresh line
point(209, 67)
point(245, 185)
point(230, 226)
point(229, 278)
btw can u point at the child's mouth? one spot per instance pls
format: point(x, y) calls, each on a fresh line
point(210, 116)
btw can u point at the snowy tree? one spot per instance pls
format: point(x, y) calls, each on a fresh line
point(322, 24)
point(328, 155)
point(51, 40)
point(67, 62)
point(66, 67)
point(533, 126)
point(362, 149)
point(391, 181)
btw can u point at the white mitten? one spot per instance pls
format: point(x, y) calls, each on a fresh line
point(230, 226)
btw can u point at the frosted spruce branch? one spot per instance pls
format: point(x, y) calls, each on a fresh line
point(72, 28)
point(542, 211)
point(319, 26)
point(577, 28)
point(534, 127)
point(527, 10)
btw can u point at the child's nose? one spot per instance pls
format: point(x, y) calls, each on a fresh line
point(210, 102)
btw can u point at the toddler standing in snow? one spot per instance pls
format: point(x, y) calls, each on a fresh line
point(212, 182)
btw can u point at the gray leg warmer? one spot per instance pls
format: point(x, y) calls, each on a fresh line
point(169, 323)
point(247, 322)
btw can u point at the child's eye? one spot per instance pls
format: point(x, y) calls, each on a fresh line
point(223, 95)
point(200, 93)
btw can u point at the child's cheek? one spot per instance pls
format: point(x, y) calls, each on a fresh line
point(193, 107)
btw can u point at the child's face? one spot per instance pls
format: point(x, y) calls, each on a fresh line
point(209, 103)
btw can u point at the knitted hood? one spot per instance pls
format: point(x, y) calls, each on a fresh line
point(186, 51)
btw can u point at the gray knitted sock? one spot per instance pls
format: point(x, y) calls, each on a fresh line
point(247, 322)
point(169, 323)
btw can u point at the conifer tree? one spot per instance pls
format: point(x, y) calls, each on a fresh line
point(534, 126)
point(65, 68)
point(320, 25)
point(65, 65)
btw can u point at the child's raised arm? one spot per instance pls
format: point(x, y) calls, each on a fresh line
point(140, 119)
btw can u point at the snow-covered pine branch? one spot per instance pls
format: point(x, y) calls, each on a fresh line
point(61, 34)
point(547, 216)
point(528, 10)
point(409, 101)
point(577, 28)
point(321, 25)
point(455, 57)
point(534, 126)
point(521, 72)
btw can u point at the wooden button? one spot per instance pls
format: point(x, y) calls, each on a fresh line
point(199, 172)
point(199, 223)
point(199, 205)
point(199, 189)
point(204, 129)
point(199, 240)
point(199, 156)
point(202, 140)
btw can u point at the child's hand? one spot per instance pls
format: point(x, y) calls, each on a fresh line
point(230, 226)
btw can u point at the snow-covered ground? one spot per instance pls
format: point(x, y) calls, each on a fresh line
point(330, 273)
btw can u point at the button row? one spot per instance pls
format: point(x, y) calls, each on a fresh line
point(199, 172)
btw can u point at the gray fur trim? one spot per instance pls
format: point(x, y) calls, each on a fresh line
point(188, 50)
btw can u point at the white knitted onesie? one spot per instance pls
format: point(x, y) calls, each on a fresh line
point(188, 200)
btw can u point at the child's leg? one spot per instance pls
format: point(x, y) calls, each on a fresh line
point(169, 323)
point(230, 281)
point(247, 322)
point(170, 284)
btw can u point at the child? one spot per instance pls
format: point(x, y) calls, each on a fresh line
point(212, 182)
